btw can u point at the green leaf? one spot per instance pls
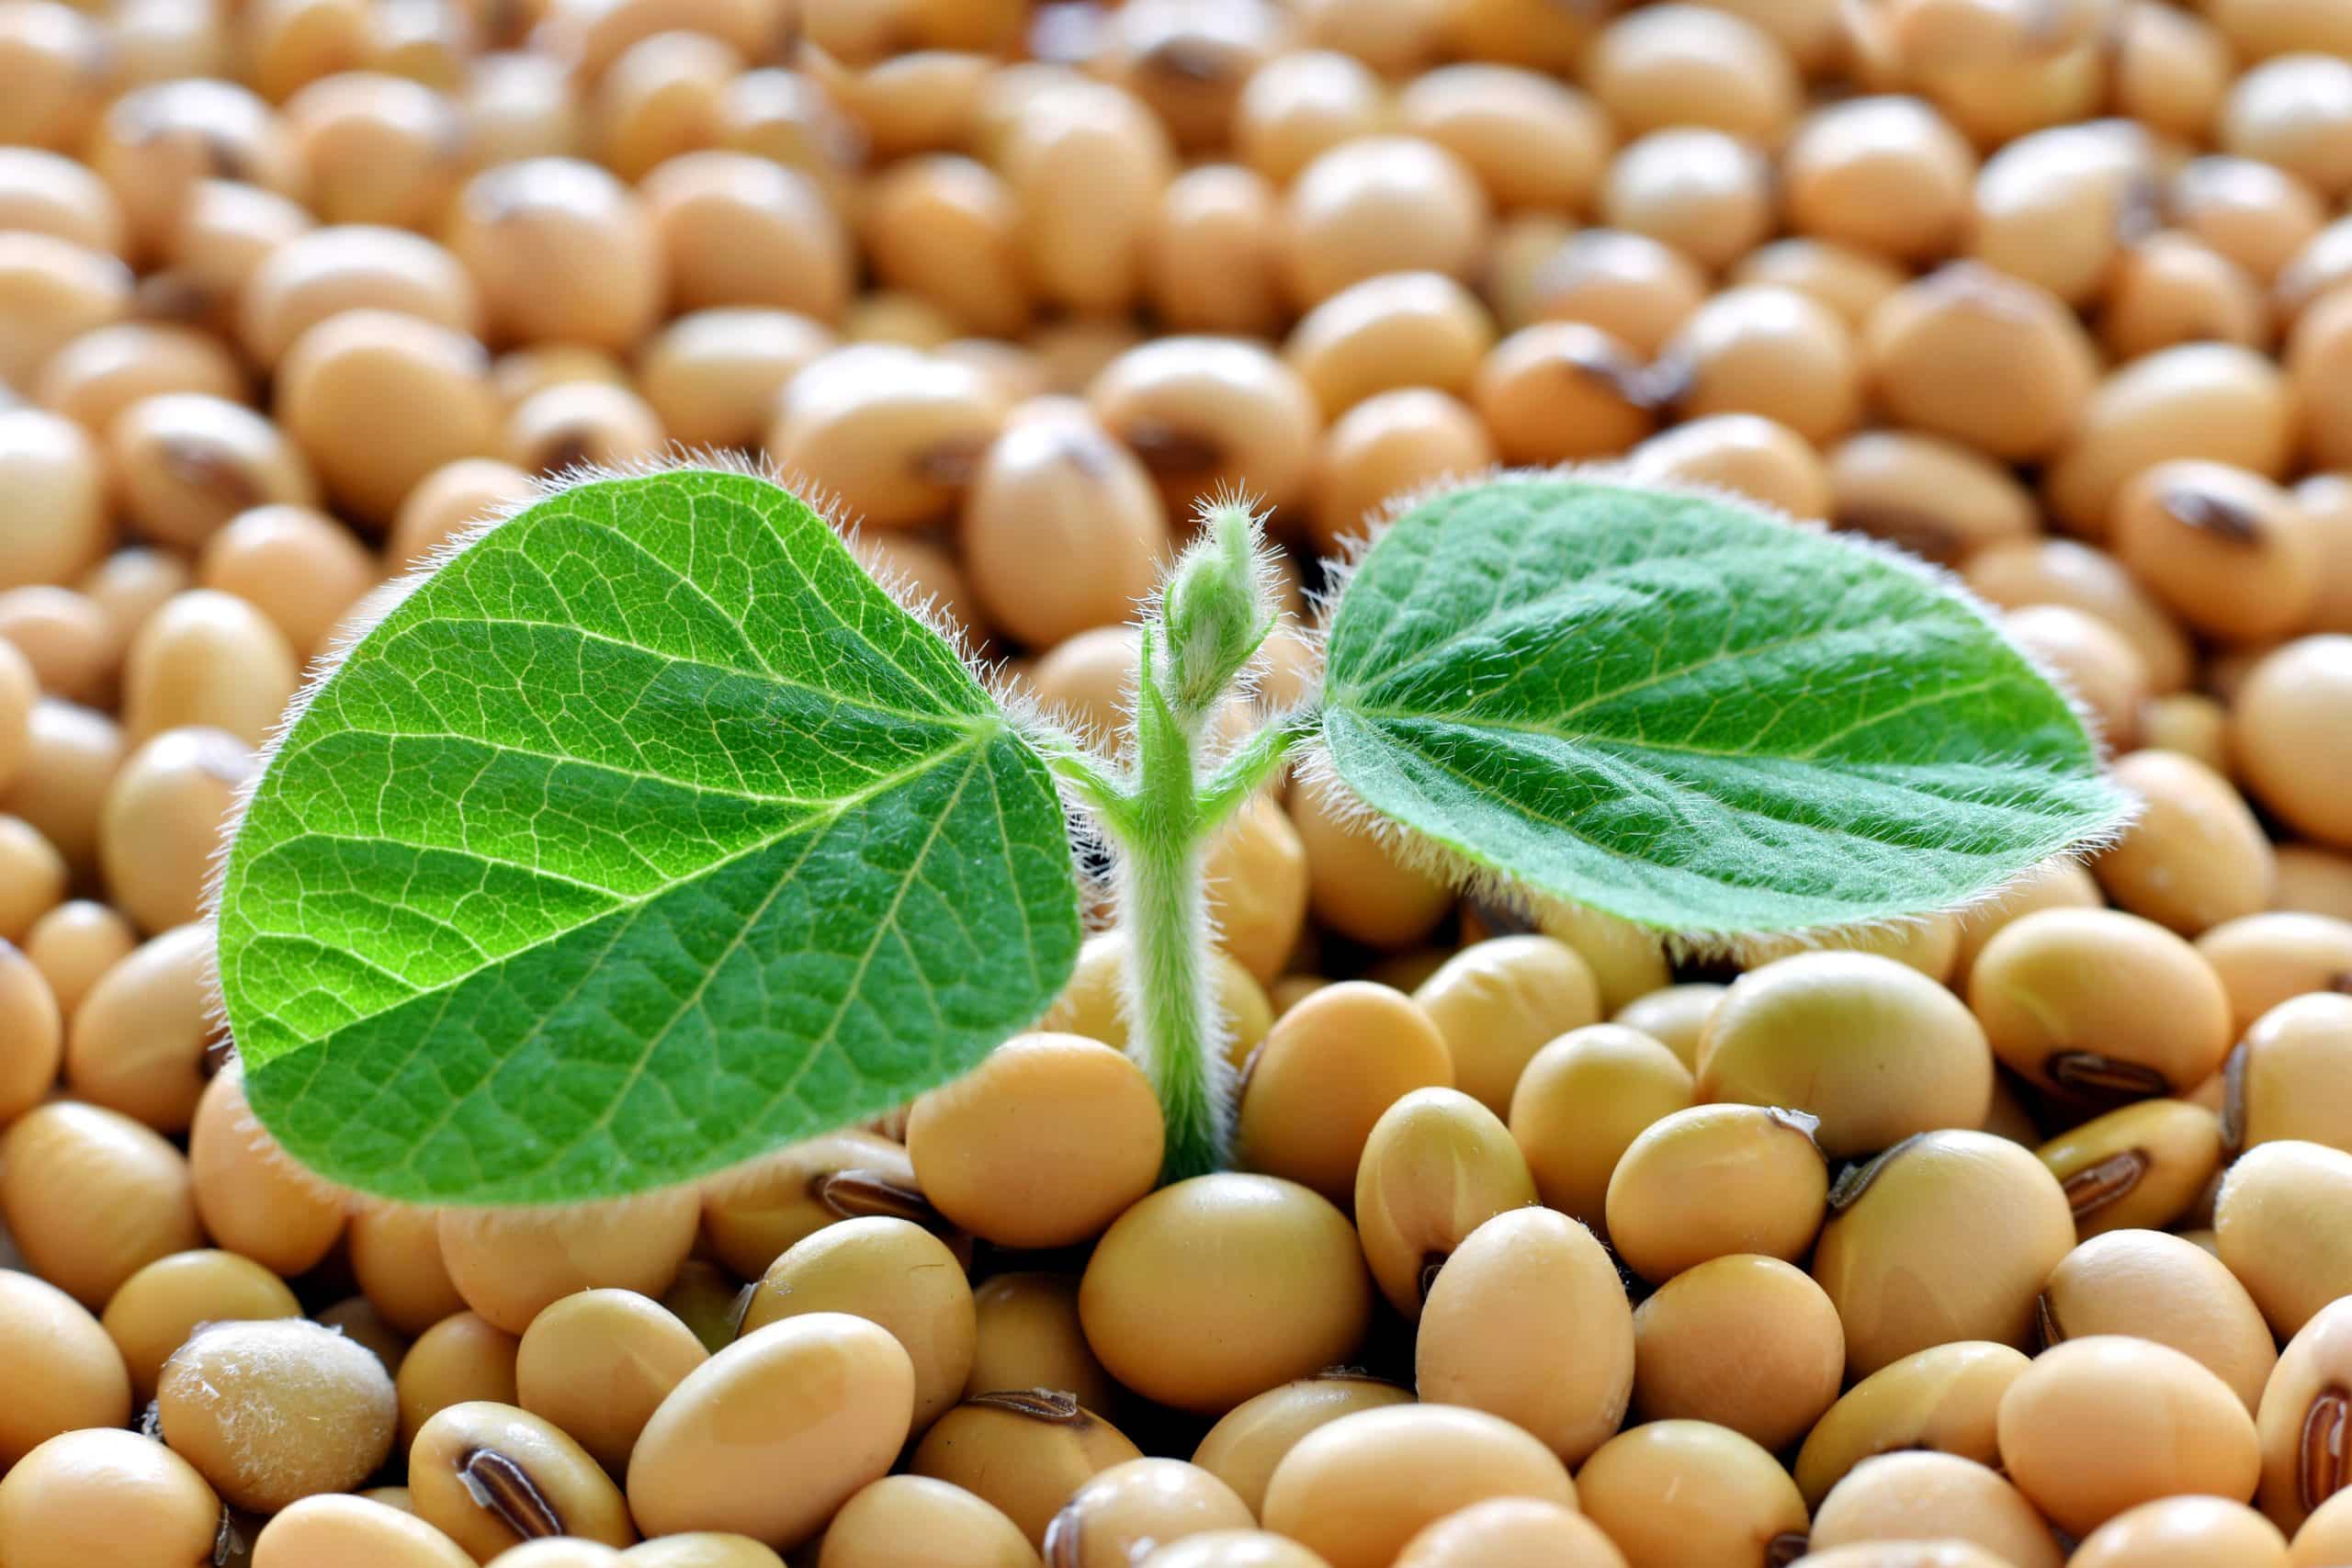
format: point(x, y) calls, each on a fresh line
point(1690, 714)
point(647, 835)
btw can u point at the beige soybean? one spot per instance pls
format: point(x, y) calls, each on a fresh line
point(509, 1264)
point(458, 1361)
point(1850, 282)
point(1886, 174)
point(1301, 104)
point(105, 1496)
point(1744, 454)
point(1981, 358)
point(2139, 1167)
point(753, 1213)
point(2263, 960)
point(1533, 141)
point(893, 433)
point(2301, 1417)
point(273, 1412)
point(1527, 1320)
point(2094, 661)
point(1057, 489)
point(1554, 391)
point(1767, 350)
point(1679, 1493)
point(163, 819)
point(1024, 1453)
point(2292, 696)
point(890, 1272)
point(2218, 401)
point(2101, 1424)
point(2187, 1532)
point(2062, 572)
point(734, 229)
point(2091, 1002)
point(378, 400)
point(1409, 329)
point(52, 291)
point(1152, 1278)
point(184, 463)
point(492, 1477)
point(700, 1549)
point(598, 1363)
point(2194, 856)
point(2311, 880)
point(1250, 1440)
point(1357, 885)
point(29, 1012)
point(395, 1252)
point(350, 267)
point(1356, 1491)
point(2288, 1079)
point(1870, 1048)
point(1135, 1506)
point(561, 252)
point(1713, 1181)
point(1582, 1101)
point(1511, 1533)
point(1254, 872)
point(155, 1311)
point(1380, 204)
point(63, 1367)
point(1326, 1072)
point(71, 755)
point(1675, 1016)
point(1063, 1178)
point(583, 424)
point(336, 1528)
point(2170, 289)
point(32, 878)
point(713, 376)
point(1209, 257)
point(2153, 1286)
point(1204, 412)
point(1942, 1399)
point(1704, 192)
point(1948, 1235)
point(379, 148)
point(903, 1519)
point(1500, 1001)
point(207, 659)
point(91, 1197)
point(106, 370)
point(60, 523)
point(1932, 1496)
point(1086, 164)
point(1744, 1341)
point(361, 1324)
point(1392, 444)
point(1681, 64)
point(2229, 551)
point(2325, 1538)
point(1027, 1335)
point(1436, 1166)
point(64, 640)
point(2280, 1222)
point(1633, 288)
point(299, 567)
point(1933, 497)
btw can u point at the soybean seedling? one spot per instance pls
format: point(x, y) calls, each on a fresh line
point(649, 833)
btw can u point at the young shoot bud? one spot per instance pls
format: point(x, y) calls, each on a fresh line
point(1218, 608)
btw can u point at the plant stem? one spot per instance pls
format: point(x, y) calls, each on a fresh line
point(1171, 1011)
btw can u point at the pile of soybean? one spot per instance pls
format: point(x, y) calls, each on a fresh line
point(2006, 1240)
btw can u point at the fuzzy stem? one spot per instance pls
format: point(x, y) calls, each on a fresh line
point(1171, 1012)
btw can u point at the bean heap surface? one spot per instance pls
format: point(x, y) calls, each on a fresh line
point(2012, 1238)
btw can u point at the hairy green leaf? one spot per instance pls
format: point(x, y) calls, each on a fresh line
point(1687, 713)
point(646, 836)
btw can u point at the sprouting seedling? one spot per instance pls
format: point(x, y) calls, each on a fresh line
point(650, 834)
